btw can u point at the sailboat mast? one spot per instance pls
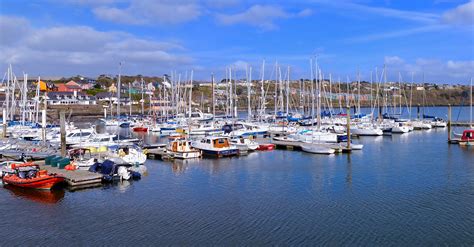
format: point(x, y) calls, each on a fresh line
point(191, 93)
point(288, 92)
point(119, 85)
point(262, 92)
point(470, 112)
point(312, 91)
point(249, 87)
point(213, 102)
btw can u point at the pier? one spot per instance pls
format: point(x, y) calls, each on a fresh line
point(77, 179)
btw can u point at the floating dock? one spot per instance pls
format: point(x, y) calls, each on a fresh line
point(76, 179)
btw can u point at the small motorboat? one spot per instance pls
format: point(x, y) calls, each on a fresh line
point(216, 146)
point(140, 129)
point(29, 175)
point(317, 149)
point(182, 149)
point(244, 144)
point(266, 147)
point(467, 138)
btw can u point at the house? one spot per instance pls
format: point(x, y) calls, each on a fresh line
point(105, 96)
point(70, 98)
point(112, 88)
point(70, 86)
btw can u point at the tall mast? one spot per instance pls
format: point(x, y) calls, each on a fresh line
point(191, 93)
point(119, 85)
point(288, 92)
point(262, 92)
point(275, 95)
point(319, 96)
point(249, 88)
point(470, 112)
point(358, 90)
point(231, 98)
point(212, 98)
point(312, 91)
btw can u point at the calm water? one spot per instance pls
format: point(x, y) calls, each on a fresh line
point(410, 189)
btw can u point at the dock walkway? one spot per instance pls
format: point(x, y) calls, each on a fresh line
point(77, 178)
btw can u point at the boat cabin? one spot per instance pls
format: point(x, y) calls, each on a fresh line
point(217, 142)
point(180, 146)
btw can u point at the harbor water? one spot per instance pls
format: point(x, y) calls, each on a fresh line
point(408, 190)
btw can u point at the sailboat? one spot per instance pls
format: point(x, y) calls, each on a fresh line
point(181, 148)
point(320, 147)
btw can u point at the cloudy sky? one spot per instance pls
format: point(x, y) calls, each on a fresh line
point(153, 37)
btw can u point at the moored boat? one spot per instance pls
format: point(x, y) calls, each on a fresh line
point(181, 149)
point(467, 138)
point(140, 129)
point(29, 175)
point(216, 146)
point(266, 147)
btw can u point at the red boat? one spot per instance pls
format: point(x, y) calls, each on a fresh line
point(266, 147)
point(467, 138)
point(140, 129)
point(29, 175)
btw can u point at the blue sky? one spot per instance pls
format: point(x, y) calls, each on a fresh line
point(90, 37)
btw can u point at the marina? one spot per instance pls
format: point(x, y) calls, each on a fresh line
point(237, 123)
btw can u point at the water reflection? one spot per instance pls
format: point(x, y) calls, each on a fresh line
point(349, 170)
point(40, 196)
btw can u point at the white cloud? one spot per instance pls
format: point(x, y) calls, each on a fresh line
point(80, 49)
point(461, 15)
point(382, 11)
point(262, 16)
point(140, 12)
point(393, 60)
point(434, 69)
point(397, 33)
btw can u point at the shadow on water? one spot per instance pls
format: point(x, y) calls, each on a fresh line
point(41, 196)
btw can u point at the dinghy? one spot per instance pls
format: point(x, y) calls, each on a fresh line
point(29, 175)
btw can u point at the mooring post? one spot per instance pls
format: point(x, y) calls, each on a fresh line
point(449, 123)
point(4, 118)
point(418, 111)
point(62, 124)
point(348, 119)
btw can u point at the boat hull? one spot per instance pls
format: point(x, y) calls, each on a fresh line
point(266, 147)
point(42, 183)
point(140, 129)
point(220, 153)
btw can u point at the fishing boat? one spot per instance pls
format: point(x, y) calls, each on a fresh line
point(29, 175)
point(182, 149)
point(216, 146)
